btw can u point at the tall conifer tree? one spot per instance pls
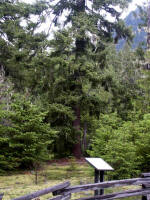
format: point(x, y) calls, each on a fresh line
point(83, 60)
point(73, 76)
point(19, 39)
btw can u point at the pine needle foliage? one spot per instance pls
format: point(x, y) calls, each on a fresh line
point(25, 138)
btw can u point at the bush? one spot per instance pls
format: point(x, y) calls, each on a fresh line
point(115, 143)
point(25, 138)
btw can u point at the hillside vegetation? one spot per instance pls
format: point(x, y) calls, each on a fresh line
point(134, 20)
point(68, 91)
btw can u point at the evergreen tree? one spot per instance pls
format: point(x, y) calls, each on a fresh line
point(126, 77)
point(79, 78)
point(123, 144)
point(70, 73)
point(19, 40)
point(25, 139)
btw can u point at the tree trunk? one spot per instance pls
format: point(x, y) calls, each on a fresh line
point(84, 137)
point(76, 124)
point(80, 47)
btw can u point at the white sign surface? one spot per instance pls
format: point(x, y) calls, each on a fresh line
point(99, 164)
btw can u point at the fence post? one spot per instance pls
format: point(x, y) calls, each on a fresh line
point(144, 197)
point(146, 186)
point(1, 196)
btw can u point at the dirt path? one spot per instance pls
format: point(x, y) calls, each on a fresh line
point(66, 161)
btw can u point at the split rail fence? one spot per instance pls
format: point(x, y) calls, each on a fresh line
point(63, 191)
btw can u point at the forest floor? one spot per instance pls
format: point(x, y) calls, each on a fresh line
point(55, 172)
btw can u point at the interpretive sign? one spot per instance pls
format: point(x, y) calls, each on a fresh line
point(100, 166)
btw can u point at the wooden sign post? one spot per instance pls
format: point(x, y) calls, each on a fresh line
point(100, 167)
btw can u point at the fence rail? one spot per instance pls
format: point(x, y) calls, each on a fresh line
point(63, 191)
point(43, 192)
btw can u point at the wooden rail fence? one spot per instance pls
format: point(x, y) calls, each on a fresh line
point(63, 191)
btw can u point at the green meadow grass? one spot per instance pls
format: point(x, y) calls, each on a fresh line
point(23, 183)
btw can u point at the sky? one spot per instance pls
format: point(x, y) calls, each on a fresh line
point(131, 7)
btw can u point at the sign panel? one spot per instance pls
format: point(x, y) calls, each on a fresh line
point(99, 164)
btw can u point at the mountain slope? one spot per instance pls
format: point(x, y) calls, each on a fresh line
point(140, 34)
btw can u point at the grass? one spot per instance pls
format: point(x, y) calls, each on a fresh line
point(24, 183)
point(54, 173)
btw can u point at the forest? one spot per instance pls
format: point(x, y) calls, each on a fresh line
point(68, 91)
